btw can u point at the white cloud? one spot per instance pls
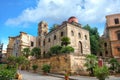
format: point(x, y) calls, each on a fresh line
point(87, 11)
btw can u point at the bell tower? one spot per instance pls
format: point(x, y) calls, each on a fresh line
point(42, 32)
point(42, 28)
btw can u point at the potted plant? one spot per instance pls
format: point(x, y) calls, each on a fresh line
point(101, 72)
point(34, 67)
point(66, 76)
point(46, 68)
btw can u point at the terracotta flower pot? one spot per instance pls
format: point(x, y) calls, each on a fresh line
point(66, 77)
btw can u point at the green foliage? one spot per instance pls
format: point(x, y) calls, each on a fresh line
point(20, 60)
point(114, 64)
point(101, 72)
point(53, 28)
point(65, 41)
point(11, 60)
point(67, 49)
point(46, 68)
point(34, 67)
point(91, 62)
point(26, 52)
point(36, 52)
point(94, 39)
point(56, 49)
point(7, 73)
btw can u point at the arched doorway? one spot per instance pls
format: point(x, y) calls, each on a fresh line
point(80, 48)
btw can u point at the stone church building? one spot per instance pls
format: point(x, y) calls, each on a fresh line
point(79, 37)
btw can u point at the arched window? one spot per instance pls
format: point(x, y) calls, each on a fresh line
point(106, 53)
point(54, 37)
point(48, 39)
point(62, 34)
point(79, 35)
point(44, 42)
point(85, 37)
point(45, 33)
point(80, 47)
point(118, 35)
point(101, 54)
point(116, 20)
point(44, 54)
point(105, 44)
point(72, 33)
point(39, 42)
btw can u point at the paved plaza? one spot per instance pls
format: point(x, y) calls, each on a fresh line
point(34, 76)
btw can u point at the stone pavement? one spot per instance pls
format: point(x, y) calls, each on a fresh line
point(36, 76)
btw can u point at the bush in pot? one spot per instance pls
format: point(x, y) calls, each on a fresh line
point(101, 72)
point(46, 68)
point(34, 67)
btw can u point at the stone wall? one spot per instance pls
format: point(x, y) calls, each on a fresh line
point(61, 63)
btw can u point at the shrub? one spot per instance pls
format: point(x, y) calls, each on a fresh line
point(34, 67)
point(46, 68)
point(7, 74)
point(67, 49)
point(101, 72)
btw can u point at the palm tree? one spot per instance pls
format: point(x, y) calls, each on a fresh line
point(53, 28)
point(36, 52)
point(26, 52)
point(65, 41)
point(91, 62)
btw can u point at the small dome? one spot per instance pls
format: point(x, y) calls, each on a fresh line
point(73, 19)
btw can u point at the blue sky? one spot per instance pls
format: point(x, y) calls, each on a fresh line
point(24, 15)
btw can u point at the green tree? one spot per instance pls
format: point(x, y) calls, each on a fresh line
point(94, 39)
point(91, 62)
point(56, 49)
point(26, 52)
point(114, 64)
point(101, 72)
point(65, 41)
point(36, 52)
point(67, 49)
point(11, 60)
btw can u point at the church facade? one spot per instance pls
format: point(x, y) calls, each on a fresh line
point(79, 37)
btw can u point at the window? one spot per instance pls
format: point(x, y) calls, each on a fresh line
point(105, 44)
point(116, 21)
point(101, 54)
point(106, 53)
point(39, 42)
point(54, 37)
point(118, 49)
point(32, 43)
point(79, 35)
point(80, 47)
point(44, 43)
point(45, 26)
point(49, 40)
point(118, 35)
point(72, 33)
point(61, 33)
point(45, 33)
point(85, 37)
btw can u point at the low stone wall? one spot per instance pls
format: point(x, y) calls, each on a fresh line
point(59, 64)
point(62, 63)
